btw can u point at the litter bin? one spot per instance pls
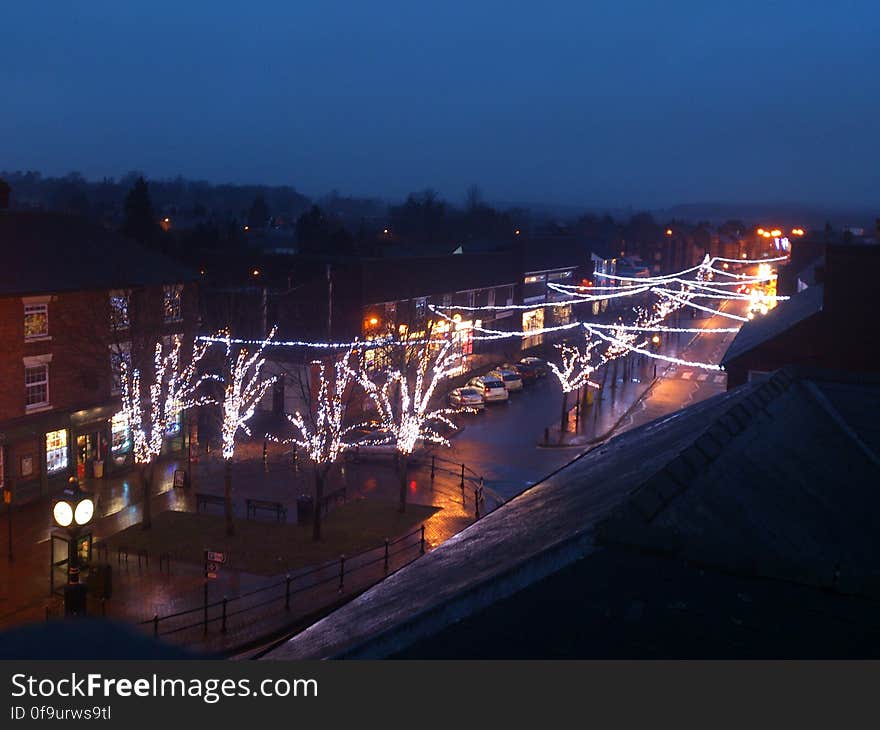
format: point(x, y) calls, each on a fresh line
point(305, 507)
point(98, 469)
point(100, 581)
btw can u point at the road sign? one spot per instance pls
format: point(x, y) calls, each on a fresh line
point(215, 557)
point(211, 570)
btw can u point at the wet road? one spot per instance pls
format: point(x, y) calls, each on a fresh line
point(500, 443)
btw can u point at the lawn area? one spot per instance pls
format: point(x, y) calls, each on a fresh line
point(270, 548)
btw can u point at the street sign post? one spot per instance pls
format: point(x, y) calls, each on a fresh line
point(213, 560)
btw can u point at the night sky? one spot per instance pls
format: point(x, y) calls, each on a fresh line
point(608, 102)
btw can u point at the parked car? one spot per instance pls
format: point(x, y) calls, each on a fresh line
point(490, 387)
point(533, 364)
point(467, 396)
point(527, 375)
point(511, 379)
point(372, 438)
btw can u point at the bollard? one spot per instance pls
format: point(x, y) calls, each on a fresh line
point(223, 623)
point(422, 541)
point(386, 554)
point(286, 592)
point(476, 503)
point(432, 467)
point(294, 458)
point(577, 414)
point(462, 485)
point(156, 624)
point(341, 572)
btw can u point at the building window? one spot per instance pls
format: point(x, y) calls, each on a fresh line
point(421, 309)
point(471, 298)
point(173, 427)
point(447, 300)
point(119, 309)
point(36, 321)
point(56, 451)
point(490, 298)
point(172, 308)
point(36, 385)
point(510, 295)
point(120, 435)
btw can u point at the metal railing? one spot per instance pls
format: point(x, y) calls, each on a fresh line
point(227, 614)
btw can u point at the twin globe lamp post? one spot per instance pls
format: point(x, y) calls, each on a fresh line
point(73, 512)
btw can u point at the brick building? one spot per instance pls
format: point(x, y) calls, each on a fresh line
point(74, 300)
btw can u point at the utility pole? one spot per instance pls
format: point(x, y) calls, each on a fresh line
point(329, 305)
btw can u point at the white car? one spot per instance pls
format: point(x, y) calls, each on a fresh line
point(491, 388)
point(468, 397)
point(511, 379)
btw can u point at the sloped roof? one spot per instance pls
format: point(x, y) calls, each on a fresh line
point(785, 315)
point(775, 480)
point(51, 252)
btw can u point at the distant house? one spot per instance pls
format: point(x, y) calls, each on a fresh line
point(829, 324)
point(74, 299)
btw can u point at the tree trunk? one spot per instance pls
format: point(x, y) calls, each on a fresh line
point(564, 418)
point(227, 497)
point(147, 482)
point(404, 463)
point(319, 497)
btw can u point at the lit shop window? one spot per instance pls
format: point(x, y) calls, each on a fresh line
point(36, 321)
point(119, 434)
point(172, 309)
point(56, 450)
point(36, 386)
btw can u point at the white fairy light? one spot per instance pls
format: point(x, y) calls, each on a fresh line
point(171, 391)
point(657, 355)
point(243, 390)
point(408, 418)
point(322, 439)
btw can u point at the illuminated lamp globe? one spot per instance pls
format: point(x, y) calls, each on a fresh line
point(75, 508)
point(62, 513)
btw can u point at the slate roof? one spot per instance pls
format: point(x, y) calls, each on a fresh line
point(783, 316)
point(774, 480)
point(51, 252)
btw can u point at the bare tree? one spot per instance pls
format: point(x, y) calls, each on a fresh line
point(150, 413)
point(403, 400)
point(244, 387)
point(321, 429)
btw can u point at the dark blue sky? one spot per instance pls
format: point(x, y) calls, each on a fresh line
point(608, 102)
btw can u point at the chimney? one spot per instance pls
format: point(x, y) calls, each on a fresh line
point(4, 194)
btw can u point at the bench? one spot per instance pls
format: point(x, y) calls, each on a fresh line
point(203, 500)
point(257, 504)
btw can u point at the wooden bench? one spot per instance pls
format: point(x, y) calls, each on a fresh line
point(257, 504)
point(203, 500)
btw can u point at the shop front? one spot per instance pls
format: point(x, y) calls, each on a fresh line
point(92, 440)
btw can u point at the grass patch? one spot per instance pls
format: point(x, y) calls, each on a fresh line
point(269, 548)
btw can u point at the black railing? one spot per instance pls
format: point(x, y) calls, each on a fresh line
point(281, 595)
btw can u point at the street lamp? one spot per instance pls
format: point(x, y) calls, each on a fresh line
point(73, 512)
point(655, 340)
